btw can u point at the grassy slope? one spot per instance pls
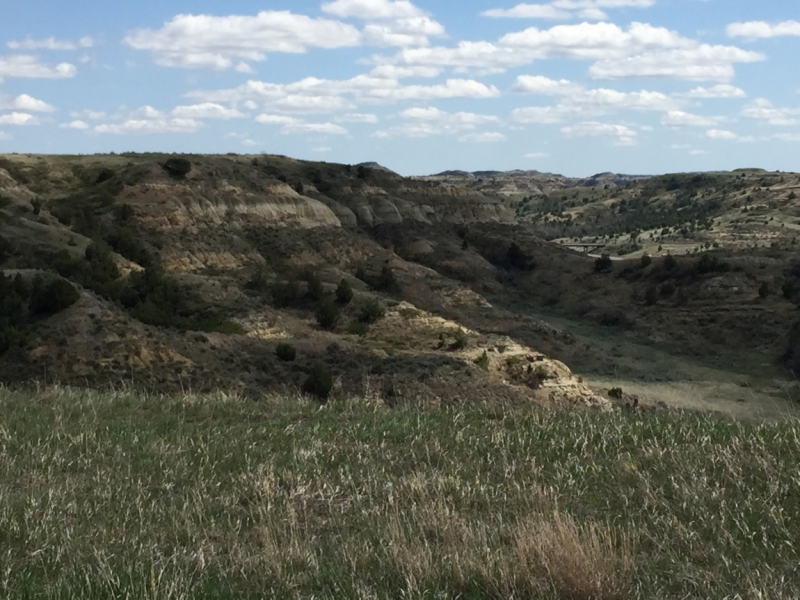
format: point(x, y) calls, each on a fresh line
point(116, 495)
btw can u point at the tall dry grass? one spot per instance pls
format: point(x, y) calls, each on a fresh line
point(133, 496)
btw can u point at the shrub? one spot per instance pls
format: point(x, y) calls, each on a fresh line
point(177, 167)
point(285, 352)
point(6, 249)
point(50, 299)
point(483, 361)
point(36, 203)
point(647, 260)
point(371, 311)
point(315, 289)
point(711, 264)
point(285, 294)
point(258, 280)
point(651, 295)
point(358, 328)
point(327, 314)
point(461, 340)
point(615, 393)
point(386, 281)
point(670, 262)
point(764, 290)
point(344, 293)
point(517, 259)
point(319, 382)
point(604, 264)
point(123, 213)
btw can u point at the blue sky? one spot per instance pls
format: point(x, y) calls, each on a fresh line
point(567, 86)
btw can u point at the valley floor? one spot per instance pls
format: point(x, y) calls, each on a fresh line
point(115, 495)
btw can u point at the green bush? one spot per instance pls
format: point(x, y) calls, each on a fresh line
point(358, 328)
point(52, 298)
point(344, 293)
point(286, 352)
point(285, 294)
point(327, 314)
point(461, 341)
point(315, 289)
point(483, 361)
point(177, 167)
point(6, 249)
point(670, 262)
point(604, 264)
point(371, 311)
point(647, 260)
point(386, 281)
point(764, 291)
point(319, 383)
point(258, 280)
point(651, 295)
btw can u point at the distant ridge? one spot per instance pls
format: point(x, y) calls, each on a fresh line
point(376, 166)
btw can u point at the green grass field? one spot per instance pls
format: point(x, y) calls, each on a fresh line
point(117, 495)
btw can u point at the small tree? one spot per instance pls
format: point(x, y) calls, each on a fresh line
point(177, 167)
point(651, 295)
point(387, 281)
point(315, 289)
point(604, 264)
point(285, 352)
point(647, 260)
point(319, 383)
point(327, 314)
point(764, 290)
point(670, 262)
point(371, 311)
point(53, 298)
point(344, 293)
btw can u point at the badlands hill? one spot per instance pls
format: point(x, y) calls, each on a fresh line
point(191, 271)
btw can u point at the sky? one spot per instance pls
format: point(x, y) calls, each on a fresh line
point(575, 87)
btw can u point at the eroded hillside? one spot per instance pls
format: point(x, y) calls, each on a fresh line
point(192, 271)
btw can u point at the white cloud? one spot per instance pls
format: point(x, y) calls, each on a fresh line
point(761, 29)
point(537, 155)
point(402, 32)
point(23, 65)
point(51, 43)
point(543, 114)
point(207, 110)
point(373, 9)
point(678, 118)
point(592, 103)
point(565, 9)
point(426, 122)
point(624, 134)
point(292, 125)
point(536, 84)
point(17, 118)
point(395, 72)
point(328, 95)
point(77, 124)
point(718, 91)
point(321, 149)
point(25, 102)
point(488, 137)
point(222, 42)
point(148, 120)
point(358, 118)
point(763, 110)
point(701, 63)
point(721, 134)
point(641, 50)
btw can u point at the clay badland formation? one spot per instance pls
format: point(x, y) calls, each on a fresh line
point(256, 274)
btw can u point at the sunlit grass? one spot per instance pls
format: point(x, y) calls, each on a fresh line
point(117, 495)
